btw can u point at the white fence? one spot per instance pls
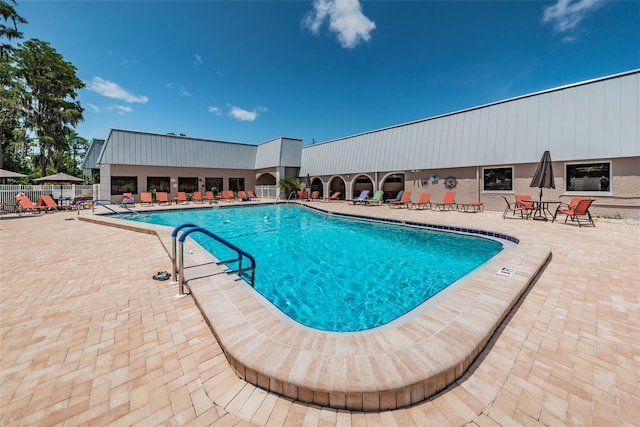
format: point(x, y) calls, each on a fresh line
point(63, 194)
point(267, 191)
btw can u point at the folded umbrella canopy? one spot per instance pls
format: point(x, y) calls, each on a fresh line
point(543, 177)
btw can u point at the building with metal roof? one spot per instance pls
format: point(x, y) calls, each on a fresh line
point(591, 129)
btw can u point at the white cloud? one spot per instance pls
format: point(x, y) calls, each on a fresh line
point(565, 15)
point(114, 90)
point(120, 109)
point(244, 115)
point(181, 90)
point(95, 108)
point(214, 110)
point(197, 59)
point(345, 19)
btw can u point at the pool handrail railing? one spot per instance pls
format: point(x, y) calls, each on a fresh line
point(104, 202)
point(246, 273)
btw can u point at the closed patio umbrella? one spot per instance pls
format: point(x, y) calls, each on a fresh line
point(543, 177)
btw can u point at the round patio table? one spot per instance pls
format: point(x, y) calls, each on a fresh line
point(541, 209)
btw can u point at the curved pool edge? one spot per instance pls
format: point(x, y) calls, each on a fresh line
point(374, 370)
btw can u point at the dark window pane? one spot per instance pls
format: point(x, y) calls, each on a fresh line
point(588, 177)
point(236, 184)
point(159, 183)
point(188, 185)
point(498, 179)
point(213, 182)
point(124, 184)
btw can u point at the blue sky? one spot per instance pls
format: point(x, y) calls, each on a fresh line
point(250, 71)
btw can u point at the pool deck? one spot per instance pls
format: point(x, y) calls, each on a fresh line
point(89, 338)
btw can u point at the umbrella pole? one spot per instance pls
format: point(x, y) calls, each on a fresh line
point(540, 193)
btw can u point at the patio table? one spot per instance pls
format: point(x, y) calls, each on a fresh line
point(541, 209)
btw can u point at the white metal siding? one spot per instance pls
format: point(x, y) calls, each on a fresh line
point(591, 120)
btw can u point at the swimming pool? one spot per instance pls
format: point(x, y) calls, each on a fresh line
point(332, 273)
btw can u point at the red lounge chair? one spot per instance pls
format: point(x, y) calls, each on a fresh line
point(335, 196)
point(182, 197)
point(524, 212)
point(405, 200)
point(146, 198)
point(581, 209)
point(162, 198)
point(252, 195)
point(448, 203)
point(243, 195)
point(422, 203)
point(315, 195)
point(46, 203)
point(26, 205)
point(197, 197)
point(208, 196)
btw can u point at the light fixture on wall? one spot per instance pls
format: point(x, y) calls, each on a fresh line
point(348, 176)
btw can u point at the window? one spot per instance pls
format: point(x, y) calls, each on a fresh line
point(188, 185)
point(213, 182)
point(236, 184)
point(159, 183)
point(124, 184)
point(497, 179)
point(588, 176)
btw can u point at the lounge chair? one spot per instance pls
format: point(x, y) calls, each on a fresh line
point(197, 197)
point(242, 195)
point(360, 199)
point(46, 203)
point(208, 196)
point(128, 199)
point(146, 198)
point(26, 205)
point(448, 203)
point(335, 196)
point(252, 195)
point(404, 201)
point(162, 198)
point(471, 207)
point(581, 209)
point(377, 199)
point(227, 195)
point(422, 203)
point(514, 208)
point(181, 197)
point(315, 195)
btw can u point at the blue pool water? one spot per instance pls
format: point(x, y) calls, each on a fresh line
point(332, 273)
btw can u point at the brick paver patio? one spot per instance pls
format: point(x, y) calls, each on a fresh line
point(89, 338)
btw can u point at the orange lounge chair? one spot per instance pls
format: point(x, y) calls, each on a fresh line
point(335, 196)
point(580, 209)
point(162, 198)
point(422, 203)
point(448, 203)
point(243, 195)
point(405, 200)
point(523, 211)
point(46, 203)
point(197, 197)
point(146, 197)
point(181, 197)
point(471, 207)
point(252, 195)
point(315, 195)
point(26, 205)
point(208, 196)
point(227, 195)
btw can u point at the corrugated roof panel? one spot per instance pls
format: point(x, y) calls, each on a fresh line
point(612, 116)
point(568, 125)
point(582, 131)
point(630, 116)
point(555, 125)
point(595, 123)
point(530, 129)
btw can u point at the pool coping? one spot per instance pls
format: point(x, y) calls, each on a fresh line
point(382, 369)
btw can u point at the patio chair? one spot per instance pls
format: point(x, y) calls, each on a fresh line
point(405, 200)
point(335, 196)
point(376, 199)
point(242, 195)
point(181, 197)
point(197, 197)
point(360, 199)
point(422, 203)
point(524, 200)
point(315, 195)
point(208, 196)
point(128, 199)
point(581, 209)
point(26, 205)
point(227, 195)
point(514, 208)
point(146, 198)
point(162, 198)
point(252, 195)
point(448, 202)
point(46, 203)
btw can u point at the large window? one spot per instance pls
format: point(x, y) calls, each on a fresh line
point(159, 183)
point(188, 185)
point(497, 179)
point(124, 184)
point(236, 184)
point(588, 176)
point(213, 182)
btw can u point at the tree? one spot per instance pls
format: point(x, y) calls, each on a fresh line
point(289, 184)
point(48, 91)
point(8, 31)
